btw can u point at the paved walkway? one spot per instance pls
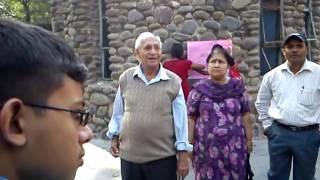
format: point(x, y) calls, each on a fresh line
point(100, 165)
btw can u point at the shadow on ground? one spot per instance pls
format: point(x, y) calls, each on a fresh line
point(100, 165)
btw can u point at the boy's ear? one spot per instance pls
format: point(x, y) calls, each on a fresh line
point(12, 123)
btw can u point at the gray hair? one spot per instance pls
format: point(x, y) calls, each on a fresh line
point(143, 36)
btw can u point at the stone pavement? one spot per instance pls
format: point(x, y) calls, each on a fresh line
point(100, 165)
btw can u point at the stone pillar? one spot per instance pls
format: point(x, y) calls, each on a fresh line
point(59, 12)
point(294, 16)
point(316, 19)
point(77, 21)
point(249, 59)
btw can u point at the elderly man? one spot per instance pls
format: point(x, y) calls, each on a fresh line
point(42, 118)
point(149, 123)
point(288, 104)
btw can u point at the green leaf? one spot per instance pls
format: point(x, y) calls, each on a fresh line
point(31, 11)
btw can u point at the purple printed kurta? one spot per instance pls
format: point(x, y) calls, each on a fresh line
point(220, 151)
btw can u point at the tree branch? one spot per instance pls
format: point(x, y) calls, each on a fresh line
point(5, 12)
point(26, 8)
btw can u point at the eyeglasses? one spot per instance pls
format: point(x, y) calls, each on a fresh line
point(83, 116)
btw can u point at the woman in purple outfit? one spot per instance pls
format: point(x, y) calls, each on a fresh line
point(219, 122)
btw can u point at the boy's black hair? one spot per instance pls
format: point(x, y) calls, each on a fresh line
point(33, 62)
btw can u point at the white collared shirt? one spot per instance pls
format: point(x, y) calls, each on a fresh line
point(162, 75)
point(292, 99)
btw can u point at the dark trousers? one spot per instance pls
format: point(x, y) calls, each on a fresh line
point(163, 169)
point(286, 147)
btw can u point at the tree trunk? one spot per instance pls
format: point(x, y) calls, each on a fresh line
point(26, 7)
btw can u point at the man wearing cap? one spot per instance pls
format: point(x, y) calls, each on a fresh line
point(288, 104)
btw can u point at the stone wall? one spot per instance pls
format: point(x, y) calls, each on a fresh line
point(174, 21)
point(77, 21)
point(182, 21)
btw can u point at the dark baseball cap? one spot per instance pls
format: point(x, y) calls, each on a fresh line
point(297, 36)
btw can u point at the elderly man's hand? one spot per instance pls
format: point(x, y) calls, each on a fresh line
point(183, 164)
point(114, 149)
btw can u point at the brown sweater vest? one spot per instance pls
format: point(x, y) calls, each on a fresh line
point(147, 124)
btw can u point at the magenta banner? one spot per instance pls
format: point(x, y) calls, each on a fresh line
point(198, 52)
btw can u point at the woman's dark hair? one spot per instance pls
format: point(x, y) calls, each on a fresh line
point(220, 49)
point(177, 51)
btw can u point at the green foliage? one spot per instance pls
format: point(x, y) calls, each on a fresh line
point(31, 11)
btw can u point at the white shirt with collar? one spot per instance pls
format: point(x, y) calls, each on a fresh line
point(291, 99)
